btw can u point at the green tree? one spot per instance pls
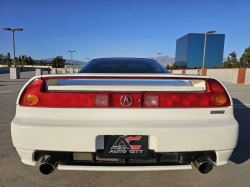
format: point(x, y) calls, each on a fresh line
point(2, 58)
point(8, 57)
point(21, 62)
point(174, 66)
point(42, 62)
point(245, 58)
point(58, 62)
point(26, 60)
point(9, 63)
point(231, 61)
point(30, 61)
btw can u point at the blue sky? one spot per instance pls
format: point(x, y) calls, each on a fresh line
point(111, 28)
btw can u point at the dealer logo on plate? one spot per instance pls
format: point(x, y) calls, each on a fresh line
point(122, 145)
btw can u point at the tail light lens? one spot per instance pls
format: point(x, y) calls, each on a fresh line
point(219, 99)
point(215, 96)
point(151, 100)
point(101, 100)
point(180, 100)
point(36, 95)
point(31, 99)
point(219, 96)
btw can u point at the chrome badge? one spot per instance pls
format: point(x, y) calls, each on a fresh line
point(218, 112)
point(126, 100)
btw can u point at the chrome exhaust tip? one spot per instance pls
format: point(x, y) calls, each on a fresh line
point(203, 164)
point(49, 165)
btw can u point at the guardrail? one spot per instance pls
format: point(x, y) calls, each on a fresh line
point(232, 75)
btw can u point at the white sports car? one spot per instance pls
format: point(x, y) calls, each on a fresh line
point(124, 114)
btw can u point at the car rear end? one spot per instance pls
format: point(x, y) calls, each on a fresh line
point(124, 122)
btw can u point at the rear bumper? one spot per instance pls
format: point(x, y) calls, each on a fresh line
point(27, 157)
point(83, 130)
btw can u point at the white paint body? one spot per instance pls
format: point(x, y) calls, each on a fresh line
point(83, 129)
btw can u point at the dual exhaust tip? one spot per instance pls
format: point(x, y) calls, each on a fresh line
point(202, 163)
point(49, 165)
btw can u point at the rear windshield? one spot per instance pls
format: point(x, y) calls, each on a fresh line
point(123, 66)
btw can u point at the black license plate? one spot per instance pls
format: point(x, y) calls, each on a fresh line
point(124, 146)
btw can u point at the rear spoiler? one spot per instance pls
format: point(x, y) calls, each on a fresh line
point(123, 76)
point(196, 79)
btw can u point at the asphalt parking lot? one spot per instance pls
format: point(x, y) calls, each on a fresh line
point(14, 173)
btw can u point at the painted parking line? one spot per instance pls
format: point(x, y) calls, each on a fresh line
point(5, 92)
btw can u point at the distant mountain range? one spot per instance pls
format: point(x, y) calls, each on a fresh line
point(164, 60)
point(68, 61)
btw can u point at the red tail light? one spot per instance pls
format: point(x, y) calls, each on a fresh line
point(215, 96)
point(219, 96)
point(63, 99)
point(36, 95)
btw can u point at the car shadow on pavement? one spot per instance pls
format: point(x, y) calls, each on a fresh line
point(242, 151)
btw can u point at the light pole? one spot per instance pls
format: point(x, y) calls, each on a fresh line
point(13, 30)
point(71, 56)
point(157, 55)
point(208, 32)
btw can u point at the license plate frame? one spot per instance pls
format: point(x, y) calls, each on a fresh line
point(125, 146)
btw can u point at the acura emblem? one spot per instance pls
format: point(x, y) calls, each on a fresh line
point(126, 100)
